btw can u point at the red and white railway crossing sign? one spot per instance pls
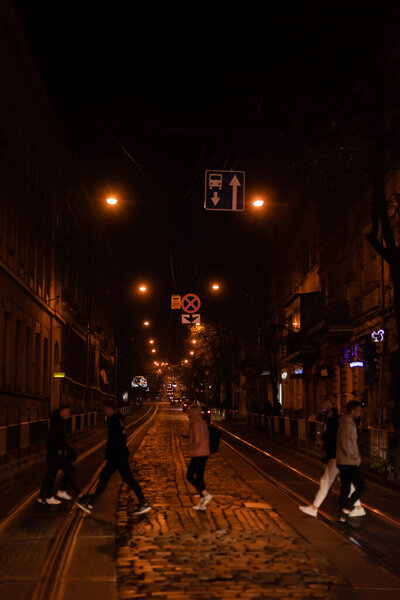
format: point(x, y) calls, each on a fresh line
point(190, 303)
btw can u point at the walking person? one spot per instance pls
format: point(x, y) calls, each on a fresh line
point(59, 456)
point(117, 455)
point(331, 470)
point(348, 460)
point(199, 451)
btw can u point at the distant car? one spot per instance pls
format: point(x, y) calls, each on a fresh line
point(185, 406)
point(206, 413)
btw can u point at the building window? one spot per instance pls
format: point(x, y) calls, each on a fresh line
point(37, 363)
point(7, 350)
point(28, 360)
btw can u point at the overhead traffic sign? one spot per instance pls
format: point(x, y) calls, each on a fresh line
point(190, 303)
point(175, 302)
point(190, 319)
point(224, 190)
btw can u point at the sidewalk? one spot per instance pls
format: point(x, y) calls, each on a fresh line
point(239, 548)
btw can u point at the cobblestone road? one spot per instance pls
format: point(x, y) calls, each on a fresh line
point(238, 548)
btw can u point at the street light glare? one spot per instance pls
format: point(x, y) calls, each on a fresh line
point(142, 288)
point(215, 286)
point(194, 341)
point(151, 341)
point(153, 350)
point(112, 201)
point(146, 323)
point(258, 203)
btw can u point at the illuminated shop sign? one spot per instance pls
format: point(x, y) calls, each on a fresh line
point(284, 375)
point(378, 336)
point(139, 381)
point(352, 356)
point(298, 371)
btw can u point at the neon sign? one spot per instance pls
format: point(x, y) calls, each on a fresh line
point(378, 336)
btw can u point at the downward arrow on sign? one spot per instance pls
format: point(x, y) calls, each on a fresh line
point(235, 183)
point(215, 199)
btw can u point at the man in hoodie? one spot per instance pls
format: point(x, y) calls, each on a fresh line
point(58, 457)
point(117, 455)
point(348, 459)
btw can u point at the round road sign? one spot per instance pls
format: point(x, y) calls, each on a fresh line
point(190, 303)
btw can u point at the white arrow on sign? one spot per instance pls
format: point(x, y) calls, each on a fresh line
point(215, 199)
point(190, 319)
point(235, 183)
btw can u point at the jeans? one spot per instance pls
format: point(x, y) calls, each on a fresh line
point(325, 483)
point(53, 465)
point(121, 464)
point(350, 474)
point(195, 472)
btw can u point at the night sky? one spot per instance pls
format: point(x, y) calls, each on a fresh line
point(188, 88)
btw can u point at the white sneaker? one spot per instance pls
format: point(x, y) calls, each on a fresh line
point(309, 510)
point(64, 495)
point(358, 511)
point(199, 506)
point(206, 498)
point(52, 500)
point(41, 500)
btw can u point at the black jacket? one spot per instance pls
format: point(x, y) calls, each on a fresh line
point(57, 437)
point(116, 440)
point(329, 437)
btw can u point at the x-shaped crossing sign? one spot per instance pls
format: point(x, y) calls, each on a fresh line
point(190, 303)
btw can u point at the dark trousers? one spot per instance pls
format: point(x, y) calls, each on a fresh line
point(350, 474)
point(121, 464)
point(68, 481)
point(195, 472)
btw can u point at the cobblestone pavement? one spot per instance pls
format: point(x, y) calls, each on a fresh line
point(238, 548)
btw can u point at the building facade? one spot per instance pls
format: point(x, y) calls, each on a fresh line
point(55, 270)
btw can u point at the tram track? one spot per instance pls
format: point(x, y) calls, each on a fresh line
point(359, 541)
point(58, 556)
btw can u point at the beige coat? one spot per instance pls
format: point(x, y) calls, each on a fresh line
point(199, 441)
point(347, 442)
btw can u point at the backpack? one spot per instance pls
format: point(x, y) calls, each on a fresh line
point(215, 438)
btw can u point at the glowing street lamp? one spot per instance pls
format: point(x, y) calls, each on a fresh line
point(258, 203)
point(146, 323)
point(191, 353)
point(112, 201)
point(194, 341)
point(143, 289)
point(215, 287)
point(186, 361)
point(153, 350)
point(151, 341)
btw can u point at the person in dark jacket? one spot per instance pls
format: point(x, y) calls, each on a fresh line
point(117, 455)
point(58, 457)
point(331, 470)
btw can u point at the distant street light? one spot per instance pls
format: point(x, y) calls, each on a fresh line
point(142, 289)
point(215, 287)
point(146, 323)
point(258, 203)
point(153, 350)
point(151, 341)
point(186, 361)
point(112, 201)
point(191, 352)
point(194, 341)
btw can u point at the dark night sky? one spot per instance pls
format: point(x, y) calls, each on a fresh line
point(189, 89)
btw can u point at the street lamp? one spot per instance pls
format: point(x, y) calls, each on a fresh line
point(143, 289)
point(194, 341)
point(215, 287)
point(258, 202)
point(112, 201)
point(153, 350)
point(191, 352)
point(186, 361)
point(151, 341)
point(146, 323)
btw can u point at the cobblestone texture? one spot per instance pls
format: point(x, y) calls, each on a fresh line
point(238, 548)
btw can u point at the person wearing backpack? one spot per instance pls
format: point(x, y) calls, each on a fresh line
point(199, 451)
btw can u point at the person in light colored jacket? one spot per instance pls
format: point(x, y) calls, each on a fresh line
point(348, 459)
point(199, 451)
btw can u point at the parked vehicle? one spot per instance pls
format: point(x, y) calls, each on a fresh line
point(206, 413)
